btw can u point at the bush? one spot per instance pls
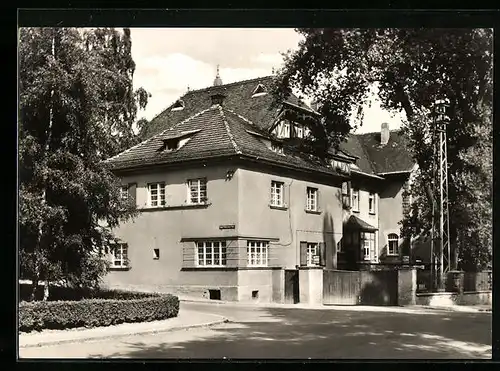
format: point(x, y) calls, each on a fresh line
point(137, 307)
point(57, 293)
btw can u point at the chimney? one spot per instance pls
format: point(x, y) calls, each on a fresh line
point(384, 134)
point(217, 96)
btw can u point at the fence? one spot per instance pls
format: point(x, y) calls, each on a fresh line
point(478, 281)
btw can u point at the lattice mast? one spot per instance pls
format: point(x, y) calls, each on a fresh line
point(440, 232)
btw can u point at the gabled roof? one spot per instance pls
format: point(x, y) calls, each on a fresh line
point(258, 109)
point(395, 156)
point(374, 158)
point(215, 132)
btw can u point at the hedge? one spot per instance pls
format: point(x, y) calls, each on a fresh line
point(57, 293)
point(38, 315)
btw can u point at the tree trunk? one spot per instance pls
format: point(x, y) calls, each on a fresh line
point(43, 200)
point(46, 291)
point(34, 287)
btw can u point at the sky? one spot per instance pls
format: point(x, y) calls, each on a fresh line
point(169, 60)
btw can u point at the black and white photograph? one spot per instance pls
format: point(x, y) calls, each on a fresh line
point(255, 193)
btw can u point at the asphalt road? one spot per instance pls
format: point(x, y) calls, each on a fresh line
point(292, 333)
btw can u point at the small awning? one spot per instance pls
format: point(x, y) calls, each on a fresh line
point(356, 223)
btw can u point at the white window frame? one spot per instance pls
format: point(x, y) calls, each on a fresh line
point(368, 247)
point(257, 253)
point(355, 196)
point(197, 191)
point(158, 190)
point(391, 239)
point(119, 255)
point(124, 190)
point(211, 253)
point(278, 148)
point(371, 203)
point(312, 199)
point(312, 250)
point(277, 193)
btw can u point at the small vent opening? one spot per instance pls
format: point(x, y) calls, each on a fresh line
point(214, 294)
point(255, 294)
point(179, 105)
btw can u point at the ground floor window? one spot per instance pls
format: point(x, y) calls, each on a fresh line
point(119, 254)
point(312, 254)
point(368, 245)
point(257, 253)
point(211, 253)
point(392, 244)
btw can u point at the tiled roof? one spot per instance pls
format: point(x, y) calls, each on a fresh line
point(218, 132)
point(395, 156)
point(259, 109)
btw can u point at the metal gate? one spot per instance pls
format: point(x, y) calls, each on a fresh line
point(341, 287)
point(291, 286)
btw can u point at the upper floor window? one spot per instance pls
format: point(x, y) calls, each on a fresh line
point(312, 199)
point(371, 203)
point(282, 130)
point(355, 199)
point(346, 199)
point(211, 253)
point(156, 194)
point(124, 192)
point(392, 244)
point(277, 189)
point(197, 189)
point(119, 254)
point(257, 253)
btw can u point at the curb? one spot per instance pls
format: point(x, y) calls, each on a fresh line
point(459, 310)
point(125, 334)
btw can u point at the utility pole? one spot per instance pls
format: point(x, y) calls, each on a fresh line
point(440, 233)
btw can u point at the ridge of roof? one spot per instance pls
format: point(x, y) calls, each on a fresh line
point(228, 129)
point(377, 132)
point(229, 84)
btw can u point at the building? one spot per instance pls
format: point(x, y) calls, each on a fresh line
point(226, 205)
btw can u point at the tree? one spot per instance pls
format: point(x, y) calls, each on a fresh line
point(77, 108)
point(410, 69)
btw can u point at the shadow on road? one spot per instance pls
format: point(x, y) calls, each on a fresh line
point(302, 334)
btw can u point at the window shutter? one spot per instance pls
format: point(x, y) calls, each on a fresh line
point(132, 192)
point(303, 253)
point(318, 198)
point(322, 254)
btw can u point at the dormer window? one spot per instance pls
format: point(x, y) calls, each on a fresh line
point(178, 106)
point(278, 148)
point(259, 91)
point(170, 144)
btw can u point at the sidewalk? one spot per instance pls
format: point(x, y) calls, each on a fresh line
point(357, 308)
point(186, 319)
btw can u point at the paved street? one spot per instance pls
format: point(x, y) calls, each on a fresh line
point(258, 332)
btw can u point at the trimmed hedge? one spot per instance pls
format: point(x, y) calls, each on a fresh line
point(137, 307)
point(57, 293)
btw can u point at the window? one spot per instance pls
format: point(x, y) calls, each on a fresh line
point(392, 244)
point(120, 256)
point(283, 129)
point(259, 90)
point(312, 199)
point(124, 192)
point(346, 200)
point(156, 254)
point(211, 253)
point(312, 254)
point(371, 203)
point(355, 199)
point(178, 106)
point(277, 193)
point(257, 253)
point(156, 194)
point(197, 189)
point(278, 148)
point(368, 245)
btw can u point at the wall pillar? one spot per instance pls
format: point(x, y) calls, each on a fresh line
point(311, 285)
point(278, 289)
point(407, 286)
